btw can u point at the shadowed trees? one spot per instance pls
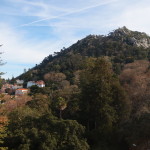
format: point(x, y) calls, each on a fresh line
point(103, 102)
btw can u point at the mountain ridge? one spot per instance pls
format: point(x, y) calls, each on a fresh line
point(121, 46)
point(134, 37)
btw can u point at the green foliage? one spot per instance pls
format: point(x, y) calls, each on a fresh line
point(61, 104)
point(3, 135)
point(45, 133)
point(41, 103)
point(34, 89)
point(1, 82)
point(70, 95)
point(34, 127)
point(38, 90)
point(103, 102)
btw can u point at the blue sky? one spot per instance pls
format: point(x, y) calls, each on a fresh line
point(30, 30)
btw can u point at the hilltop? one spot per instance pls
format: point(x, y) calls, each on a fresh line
point(120, 46)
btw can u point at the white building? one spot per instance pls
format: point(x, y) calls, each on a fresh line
point(39, 83)
point(15, 86)
point(30, 83)
point(20, 92)
point(20, 82)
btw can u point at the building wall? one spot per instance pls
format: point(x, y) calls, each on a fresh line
point(21, 92)
point(41, 85)
point(30, 83)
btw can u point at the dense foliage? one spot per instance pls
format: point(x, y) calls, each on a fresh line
point(85, 104)
point(97, 108)
point(104, 104)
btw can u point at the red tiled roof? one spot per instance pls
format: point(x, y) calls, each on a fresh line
point(40, 82)
point(22, 89)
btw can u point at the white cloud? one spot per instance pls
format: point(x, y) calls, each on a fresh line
point(23, 52)
point(40, 9)
point(64, 22)
point(73, 11)
point(18, 49)
point(134, 16)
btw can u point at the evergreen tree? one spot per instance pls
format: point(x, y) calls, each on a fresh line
point(102, 104)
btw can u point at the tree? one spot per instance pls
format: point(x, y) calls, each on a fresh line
point(13, 80)
point(137, 131)
point(1, 73)
point(102, 104)
point(35, 89)
point(2, 81)
point(3, 132)
point(60, 104)
point(40, 103)
point(3, 135)
point(1, 63)
point(54, 79)
point(31, 132)
point(39, 90)
point(135, 80)
point(24, 70)
point(96, 96)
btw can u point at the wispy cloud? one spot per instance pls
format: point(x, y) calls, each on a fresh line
point(26, 52)
point(71, 12)
point(31, 30)
point(134, 15)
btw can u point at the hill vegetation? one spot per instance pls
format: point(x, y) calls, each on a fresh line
point(121, 47)
point(96, 97)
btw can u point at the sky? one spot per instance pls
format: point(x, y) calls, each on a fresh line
point(30, 30)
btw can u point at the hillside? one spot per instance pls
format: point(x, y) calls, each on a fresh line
point(85, 105)
point(121, 46)
point(135, 77)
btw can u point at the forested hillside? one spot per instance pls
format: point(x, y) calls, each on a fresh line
point(120, 46)
point(96, 97)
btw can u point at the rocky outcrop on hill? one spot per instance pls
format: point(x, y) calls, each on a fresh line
point(132, 37)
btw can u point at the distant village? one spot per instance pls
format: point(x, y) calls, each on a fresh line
point(17, 88)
